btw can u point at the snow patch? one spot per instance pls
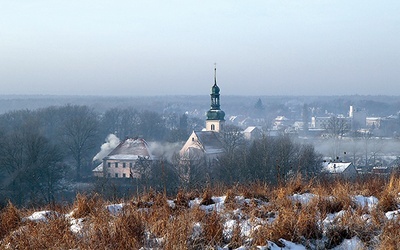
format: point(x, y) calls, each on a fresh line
point(115, 209)
point(353, 243)
point(368, 202)
point(40, 216)
point(391, 215)
point(76, 225)
point(302, 198)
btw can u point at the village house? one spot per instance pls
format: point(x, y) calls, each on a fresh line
point(340, 169)
point(252, 133)
point(126, 160)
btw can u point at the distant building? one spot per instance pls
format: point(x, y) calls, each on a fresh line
point(380, 170)
point(342, 169)
point(126, 160)
point(281, 122)
point(373, 122)
point(358, 118)
point(252, 133)
point(319, 122)
point(324, 122)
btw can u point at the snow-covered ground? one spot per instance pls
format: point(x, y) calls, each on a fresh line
point(238, 217)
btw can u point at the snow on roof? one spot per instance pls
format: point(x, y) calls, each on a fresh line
point(336, 167)
point(210, 142)
point(130, 149)
point(124, 157)
point(99, 168)
point(281, 118)
point(249, 129)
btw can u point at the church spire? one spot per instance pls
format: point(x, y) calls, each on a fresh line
point(215, 74)
point(215, 112)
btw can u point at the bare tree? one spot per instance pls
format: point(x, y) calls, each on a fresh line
point(79, 133)
point(31, 166)
point(192, 169)
point(335, 129)
point(232, 138)
point(142, 170)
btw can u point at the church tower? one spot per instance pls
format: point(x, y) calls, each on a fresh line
point(215, 116)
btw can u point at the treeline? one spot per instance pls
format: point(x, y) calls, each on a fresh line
point(47, 153)
point(271, 160)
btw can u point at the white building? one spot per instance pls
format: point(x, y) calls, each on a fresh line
point(342, 169)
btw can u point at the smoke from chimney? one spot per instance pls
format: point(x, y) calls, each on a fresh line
point(112, 141)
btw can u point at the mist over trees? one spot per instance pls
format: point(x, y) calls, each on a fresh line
point(47, 153)
point(44, 152)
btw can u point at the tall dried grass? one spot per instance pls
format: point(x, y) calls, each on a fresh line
point(54, 233)
point(149, 221)
point(10, 219)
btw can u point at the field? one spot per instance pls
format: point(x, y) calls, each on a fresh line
point(298, 214)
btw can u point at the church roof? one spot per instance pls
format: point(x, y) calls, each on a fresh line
point(210, 142)
point(215, 114)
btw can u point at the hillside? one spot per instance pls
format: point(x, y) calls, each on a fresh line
point(362, 214)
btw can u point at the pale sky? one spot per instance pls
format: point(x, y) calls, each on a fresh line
point(310, 47)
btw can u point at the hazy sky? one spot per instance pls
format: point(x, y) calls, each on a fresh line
point(310, 47)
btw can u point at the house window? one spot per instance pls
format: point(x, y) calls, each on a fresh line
point(212, 127)
point(116, 175)
point(109, 164)
point(192, 138)
point(130, 164)
point(116, 164)
point(124, 175)
point(124, 165)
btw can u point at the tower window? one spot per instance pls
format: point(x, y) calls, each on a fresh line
point(212, 127)
point(192, 138)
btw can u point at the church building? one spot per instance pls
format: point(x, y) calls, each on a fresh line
point(206, 144)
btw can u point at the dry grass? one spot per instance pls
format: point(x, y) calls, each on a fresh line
point(237, 239)
point(207, 197)
point(149, 221)
point(388, 198)
point(85, 205)
point(52, 234)
point(293, 222)
point(389, 238)
point(10, 219)
point(213, 228)
point(255, 191)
